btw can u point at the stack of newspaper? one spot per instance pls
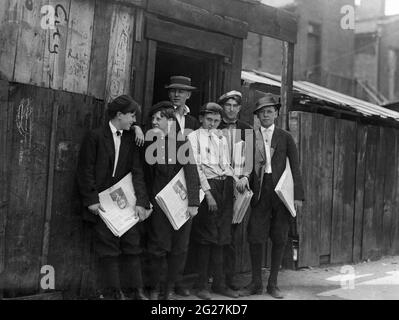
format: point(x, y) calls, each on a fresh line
point(241, 204)
point(285, 189)
point(119, 203)
point(173, 200)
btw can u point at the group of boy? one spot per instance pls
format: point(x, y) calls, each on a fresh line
point(112, 151)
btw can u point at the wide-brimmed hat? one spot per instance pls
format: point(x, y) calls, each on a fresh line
point(211, 107)
point(236, 95)
point(268, 100)
point(180, 82)
point(162, 105)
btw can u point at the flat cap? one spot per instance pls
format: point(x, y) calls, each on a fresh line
point(230, 95)
point(211, 107)
point(268, 100)
point(162, 105)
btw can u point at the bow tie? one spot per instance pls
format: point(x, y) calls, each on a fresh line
point(118, 133)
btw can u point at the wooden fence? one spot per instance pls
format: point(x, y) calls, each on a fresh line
point(40, 223)
point(351, 175)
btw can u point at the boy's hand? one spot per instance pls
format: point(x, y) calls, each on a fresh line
point(142, 213)
point(212, 205)
point(242, 184)
point(192, 211)
point(96, 208)
point(139, 136)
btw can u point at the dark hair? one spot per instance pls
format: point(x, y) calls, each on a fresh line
point(123, 104)
point(168, 113)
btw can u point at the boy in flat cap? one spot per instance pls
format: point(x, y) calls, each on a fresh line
point(269, 216)
point(212, 226)
point(234, 130)
point(107, 155)
point(163, 241)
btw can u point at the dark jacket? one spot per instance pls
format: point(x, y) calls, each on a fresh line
point(96, 164)
point(158, 175)
point(282, 146)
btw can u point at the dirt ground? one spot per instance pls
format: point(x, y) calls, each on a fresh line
point(372, 280)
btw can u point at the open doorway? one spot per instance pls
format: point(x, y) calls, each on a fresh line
point(200, 67)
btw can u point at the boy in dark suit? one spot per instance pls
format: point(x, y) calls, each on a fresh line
point(269, 216)
point(107, 155)
point(234, 130)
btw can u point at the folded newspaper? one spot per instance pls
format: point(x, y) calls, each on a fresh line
point(285, 189)
point(173, 200)
point(241, 204)
point(119, 203)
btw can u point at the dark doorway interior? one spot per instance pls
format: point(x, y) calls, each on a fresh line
point(201, 68)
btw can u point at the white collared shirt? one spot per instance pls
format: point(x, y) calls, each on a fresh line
point(267, 134)
point(117, 144)
point(181, 119)
point(211, 153)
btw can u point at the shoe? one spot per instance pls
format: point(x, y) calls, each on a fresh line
point(251, 289)
point(111, 294)
point(233, 286)
point(275, 292)
point(204, 294)
point(140, 294)
point(154, 294)
point(227, 292)
point(182, 291)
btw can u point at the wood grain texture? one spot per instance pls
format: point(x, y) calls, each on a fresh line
point(56, 46)
point(10, 23)
point(31, 115)
point(344, 191)
point(119, 54)
point(100, 47)
point(29, 61)
point(193, 15)
point(4, 169)
point(361, 145)
point(369, 243)
point(78, 50)
point(188, 37)
point(262, 19)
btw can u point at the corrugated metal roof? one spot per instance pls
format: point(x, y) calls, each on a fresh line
point(321, 93)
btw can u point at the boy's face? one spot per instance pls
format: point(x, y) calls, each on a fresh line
point(126, 120)
point(210, 120)
point(267, 116)
point(159, 121)
point(179, 96)
point(231, 109)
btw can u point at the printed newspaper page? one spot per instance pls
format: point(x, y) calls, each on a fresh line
point(119, 203)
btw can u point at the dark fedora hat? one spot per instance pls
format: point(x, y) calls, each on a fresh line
point(268, 100)
point(211, 107)
point(180, 82)
point(162, 105)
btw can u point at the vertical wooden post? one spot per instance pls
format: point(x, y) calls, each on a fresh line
point(287, 80)
point(50, 186)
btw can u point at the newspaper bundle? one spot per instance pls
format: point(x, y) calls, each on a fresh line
point(241, 204)
point(173, 200)
point(119, 203)
point(285, 189)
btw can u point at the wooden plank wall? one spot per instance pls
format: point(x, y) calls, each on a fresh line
point(88, 51)
point(30, 117)
point(350, 172)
